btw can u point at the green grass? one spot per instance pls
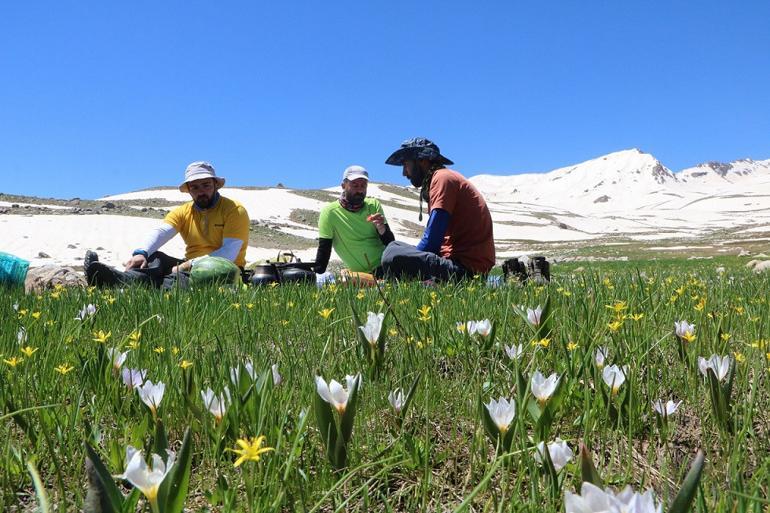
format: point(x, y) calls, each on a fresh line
point(440, 458)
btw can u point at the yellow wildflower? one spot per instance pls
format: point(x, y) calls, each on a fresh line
point(326, 313)
point(739, 357)
point(175, 350)
point(424, 310)
point(571, 346)
point(101, 337)
point(36, 315)
point(63, 368)
point(185, 364)
point(617, 306)
point(13, 362)
point(236, 306)
point(637, 316)
point(159, 349)
point(615, 325)
point(250, 449)
point(28, 351)
point(725, 337)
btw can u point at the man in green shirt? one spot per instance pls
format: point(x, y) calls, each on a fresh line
point(354, 226)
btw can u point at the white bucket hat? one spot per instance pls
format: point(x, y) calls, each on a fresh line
point(199, 170)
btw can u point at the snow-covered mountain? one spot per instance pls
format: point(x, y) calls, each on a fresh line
point(620, 199)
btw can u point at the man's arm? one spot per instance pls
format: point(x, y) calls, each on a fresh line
point(434, 233)
point(154, 241)
point(322, 255)
point(387, 236)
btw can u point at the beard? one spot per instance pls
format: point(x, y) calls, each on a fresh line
point(355, 199)
point(205, 202)
point(418, 175)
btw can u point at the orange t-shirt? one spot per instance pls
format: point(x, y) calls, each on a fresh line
point(468, 238)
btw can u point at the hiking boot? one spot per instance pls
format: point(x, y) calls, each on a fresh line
point(514, 269)
point(539, 270)
point(88, 269)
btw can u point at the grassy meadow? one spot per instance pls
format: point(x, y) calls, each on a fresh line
point(63, 390)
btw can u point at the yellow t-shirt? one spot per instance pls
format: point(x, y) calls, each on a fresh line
point(204, 230)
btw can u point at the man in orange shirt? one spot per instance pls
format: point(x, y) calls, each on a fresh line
point(210, 225)
point(458, 240)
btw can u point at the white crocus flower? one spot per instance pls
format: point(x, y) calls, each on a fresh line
point(117, 358)
point(514, 352)
point(372, 328)
point(593, 499)
point(665, 409)
point(634, 502)
point(235, 372)
point(600, 356)
point(719, 364)
point(334, 393)
point(85, 312)
point(543, 388)
point(151, 394)
point(147, 479)
point(483, 328)
point(614, 376)
point(502, 413)
point(249, 366)
point(533, 316)
point(277, 378)
point(470, 327)
point(558, 450)
point(216, 404)
point(682, 328)
point(21, 336)
point(397, 400)
point(16, 307)
point(132, 378)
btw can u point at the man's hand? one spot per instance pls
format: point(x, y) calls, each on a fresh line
point(183, 267)
point(136, 261)
point(379, 222)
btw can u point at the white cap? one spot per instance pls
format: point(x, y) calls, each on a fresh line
point(355, 172)
point(197, 171)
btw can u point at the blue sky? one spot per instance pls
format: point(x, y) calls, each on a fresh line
point(106, 97)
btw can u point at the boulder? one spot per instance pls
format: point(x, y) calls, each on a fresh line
point(762, 266)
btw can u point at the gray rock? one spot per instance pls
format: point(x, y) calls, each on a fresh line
point(71, 246)
point(108, 206)
point(762, 266)
point(43, 254)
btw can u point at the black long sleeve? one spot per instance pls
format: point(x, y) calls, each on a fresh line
point(387, 236)
point(322, 255)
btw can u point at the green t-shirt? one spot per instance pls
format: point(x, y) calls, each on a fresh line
point(355, 239)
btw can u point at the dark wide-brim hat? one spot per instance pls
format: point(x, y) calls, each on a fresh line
point(415, 149)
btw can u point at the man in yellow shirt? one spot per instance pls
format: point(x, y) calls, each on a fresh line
point(210, 225)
